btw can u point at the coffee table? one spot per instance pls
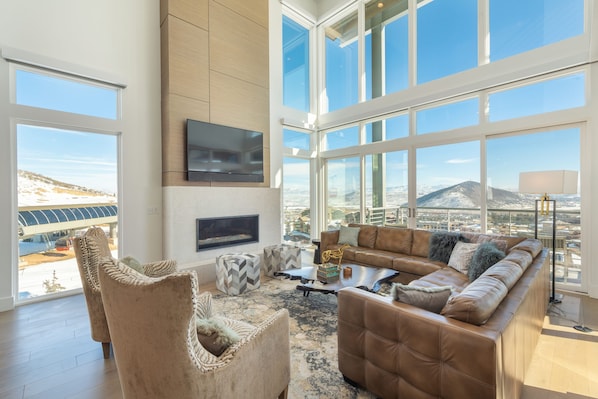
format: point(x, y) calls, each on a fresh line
point(364, 277)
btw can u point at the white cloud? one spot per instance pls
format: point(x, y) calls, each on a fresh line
point(458, 161)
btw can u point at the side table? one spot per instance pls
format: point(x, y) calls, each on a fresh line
point(237, 273)
point(317, 258)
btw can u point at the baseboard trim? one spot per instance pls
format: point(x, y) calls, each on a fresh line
point(7, 303)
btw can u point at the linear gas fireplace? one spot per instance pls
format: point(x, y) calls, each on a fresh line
point(227, 231)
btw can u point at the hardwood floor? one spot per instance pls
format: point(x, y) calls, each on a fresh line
point(46, 352)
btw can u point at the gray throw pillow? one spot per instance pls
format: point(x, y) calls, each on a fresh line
point(348, 235)
point(442, 244)
point(432, 299)
point(485, 256)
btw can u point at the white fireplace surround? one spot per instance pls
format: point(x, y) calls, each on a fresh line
point(183, 205)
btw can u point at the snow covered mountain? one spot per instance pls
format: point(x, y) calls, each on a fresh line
point(35, 190)
point(467, 195)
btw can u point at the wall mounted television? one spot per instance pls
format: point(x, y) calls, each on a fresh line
point(217, 153)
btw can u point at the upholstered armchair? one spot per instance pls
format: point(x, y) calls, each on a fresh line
point(88, 250)
point(158, 354)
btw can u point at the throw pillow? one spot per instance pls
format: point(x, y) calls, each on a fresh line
point(499, 242)
point(485, 256)
point(133, 263)
point(214, 335)
point(432, 299)
point(442, 244)
point(348, 235)
point(461, 256)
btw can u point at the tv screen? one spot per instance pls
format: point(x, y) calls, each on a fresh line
point(223, 153)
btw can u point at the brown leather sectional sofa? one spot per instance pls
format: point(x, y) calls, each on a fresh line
point(479, 346)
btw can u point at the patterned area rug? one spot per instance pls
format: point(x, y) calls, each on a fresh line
point(313, 320)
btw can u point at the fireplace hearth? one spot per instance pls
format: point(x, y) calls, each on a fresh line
point(227, 231)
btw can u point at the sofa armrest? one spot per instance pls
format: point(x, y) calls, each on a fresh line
point(328, 239)
point(264, 351)
point(394, 349)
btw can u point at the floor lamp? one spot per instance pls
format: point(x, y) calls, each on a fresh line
point(548, 182)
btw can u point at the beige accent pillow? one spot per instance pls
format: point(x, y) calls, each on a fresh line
point(431, 299)
point(501, 244)
point(462, 255)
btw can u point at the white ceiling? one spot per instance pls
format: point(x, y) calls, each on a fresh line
point(316, 8)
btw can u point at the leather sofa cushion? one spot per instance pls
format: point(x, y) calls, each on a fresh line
point(477, 302)
point(443, 277)
point(416, 265)
point(375, 257)
point(505, 271)
point(421, 243)
point(367, 234)
point(533, 247)
point(480, 238)
point(394, 239)
point(348, 253)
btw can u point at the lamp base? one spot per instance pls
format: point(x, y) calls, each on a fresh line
point(557, 298)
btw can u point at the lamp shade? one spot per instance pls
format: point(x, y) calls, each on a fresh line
point(548, 182)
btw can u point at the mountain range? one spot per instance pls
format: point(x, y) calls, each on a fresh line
point(35, 189)
point(468, 194)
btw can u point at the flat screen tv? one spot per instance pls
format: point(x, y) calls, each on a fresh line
point(224, 154)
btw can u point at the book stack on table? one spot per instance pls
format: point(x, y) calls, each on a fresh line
point(328, 272)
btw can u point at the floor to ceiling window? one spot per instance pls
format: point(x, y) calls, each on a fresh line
point(67, 174)
point(414, 106)
point(520, 26)
point(297, 164)
point(386, 188)
point(342, 72)
point(386, 48)
point(512, 213)
point(446, 46)
point(448, 187)
point(343, 190)
point(296, 83)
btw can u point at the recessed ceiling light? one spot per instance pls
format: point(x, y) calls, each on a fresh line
point(380, 4)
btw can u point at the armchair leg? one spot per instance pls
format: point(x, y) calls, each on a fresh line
point(106, 349)
point(283, 394)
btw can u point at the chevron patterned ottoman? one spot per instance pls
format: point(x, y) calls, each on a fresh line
point(237, 273)
point(281, 257)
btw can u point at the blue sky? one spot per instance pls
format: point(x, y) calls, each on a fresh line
point(84, 159)
point(447, 46)
point(76, 157)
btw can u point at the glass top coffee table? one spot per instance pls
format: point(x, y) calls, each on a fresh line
point(364, 277)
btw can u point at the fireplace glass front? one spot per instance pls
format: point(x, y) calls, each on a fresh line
point(227, 231)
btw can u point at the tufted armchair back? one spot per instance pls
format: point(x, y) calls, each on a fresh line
point(89, 249)
point(153, 329)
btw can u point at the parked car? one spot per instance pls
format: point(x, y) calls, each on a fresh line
point(63, 244)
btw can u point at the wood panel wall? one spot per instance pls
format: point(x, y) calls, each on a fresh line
point(214, 58)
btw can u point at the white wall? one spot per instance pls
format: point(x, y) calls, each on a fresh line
point(118, 38)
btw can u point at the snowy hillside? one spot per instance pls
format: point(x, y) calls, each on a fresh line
point(35, 190)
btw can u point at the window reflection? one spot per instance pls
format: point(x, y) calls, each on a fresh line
point(341, 63)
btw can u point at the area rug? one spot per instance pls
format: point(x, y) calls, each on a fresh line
point(313, 321)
